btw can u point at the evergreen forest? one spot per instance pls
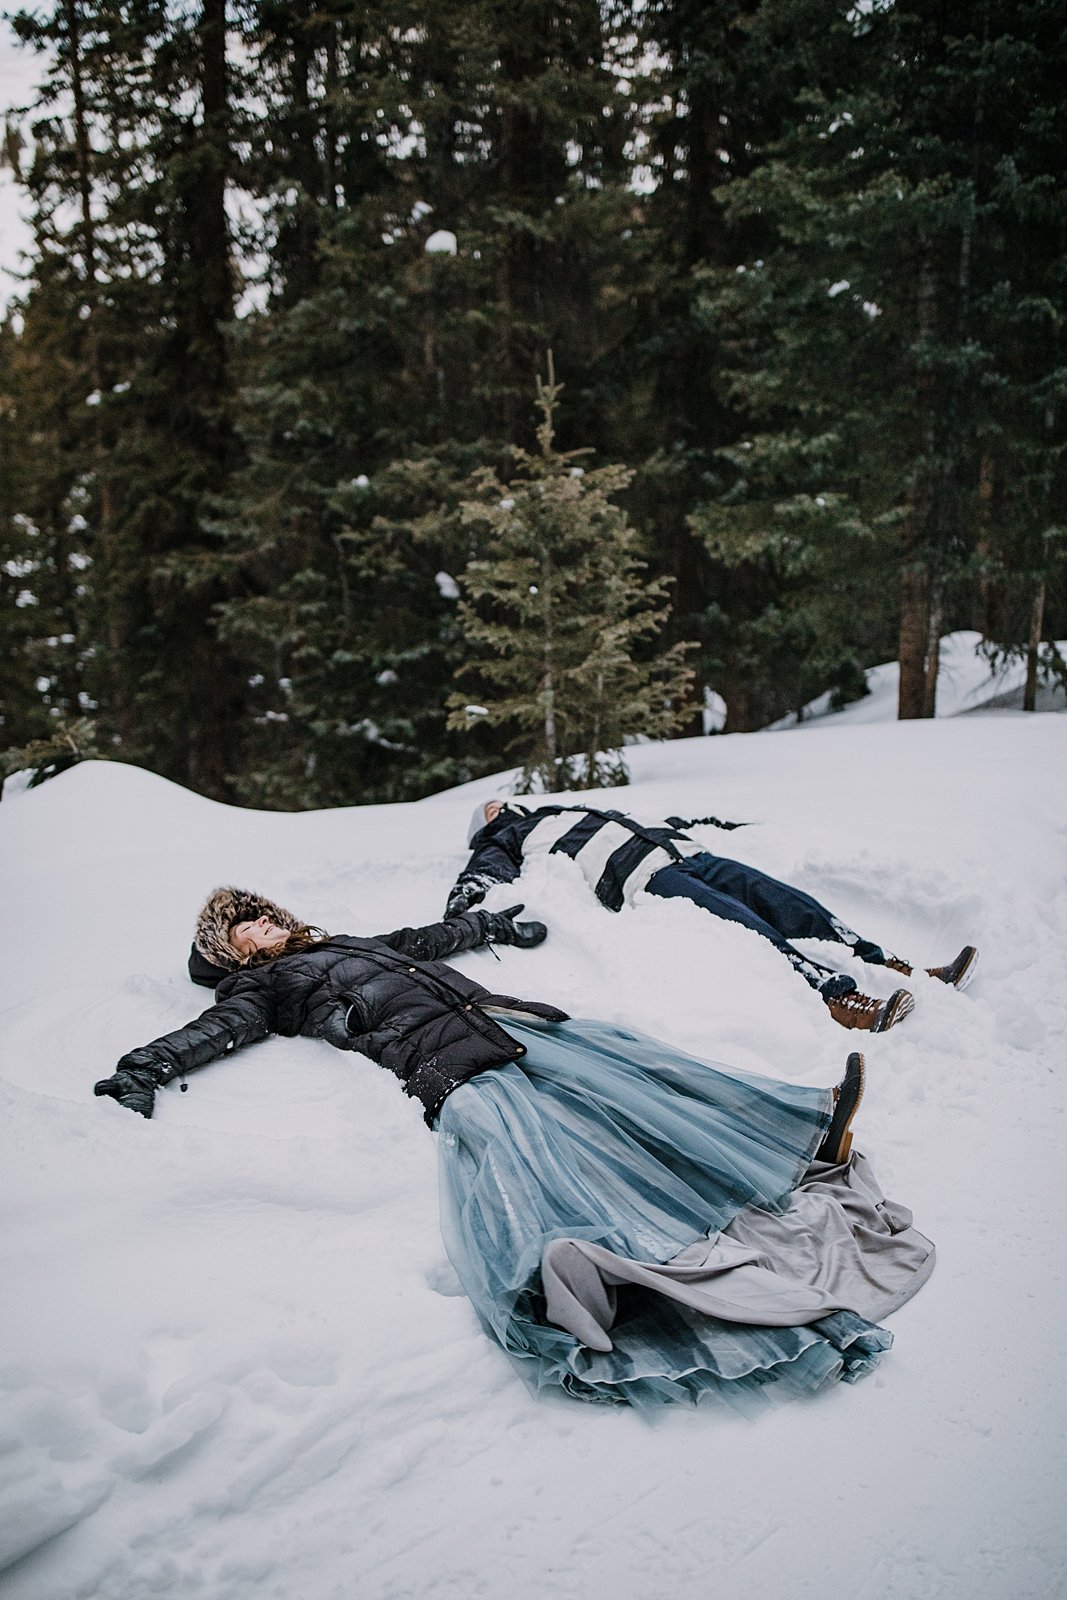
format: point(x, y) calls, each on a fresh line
point(400, 390)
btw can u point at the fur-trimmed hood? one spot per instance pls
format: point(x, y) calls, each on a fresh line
point(212, 956)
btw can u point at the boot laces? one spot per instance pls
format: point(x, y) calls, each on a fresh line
point(858, 1003)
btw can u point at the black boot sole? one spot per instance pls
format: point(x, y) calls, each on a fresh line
point(837, 1144)
point(901, 1003)
point(959, 973)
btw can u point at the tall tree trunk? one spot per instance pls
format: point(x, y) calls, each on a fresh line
point(517, 270)
point(915, 573)
point(109, 588)
point(987, 486)
point(548, 682)
point(214, 300)
point(532, 165)
point(933, 650)
point(331, 164)
point(914, 633)
point(737, 693)
point(302, 266)
point(1037, 623)
point(211, 307)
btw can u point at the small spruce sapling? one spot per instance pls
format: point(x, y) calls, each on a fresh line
point(559, 620)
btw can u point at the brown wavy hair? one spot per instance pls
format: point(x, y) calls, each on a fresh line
point(303, 937)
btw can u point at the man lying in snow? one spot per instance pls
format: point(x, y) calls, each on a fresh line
point(620, 857)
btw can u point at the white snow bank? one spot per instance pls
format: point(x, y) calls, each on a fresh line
point(235, 1360)
point(966, 682)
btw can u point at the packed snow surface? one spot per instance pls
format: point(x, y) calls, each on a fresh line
point(967, 681)
point(236, 1362)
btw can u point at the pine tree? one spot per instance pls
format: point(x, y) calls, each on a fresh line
point(180, 447)
point(711, 96)
point(53, 443)
point(381, 371)
point(263, 514)
point(132, 153)
point(1019, 60)
point(34, 642)
point(333, 610)
point(557, 616)
point(69, 335)
point(859, 349)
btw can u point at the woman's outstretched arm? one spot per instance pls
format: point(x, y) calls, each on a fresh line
point(439, 940)
point(244, 1014)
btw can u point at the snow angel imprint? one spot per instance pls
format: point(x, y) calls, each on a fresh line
point(632, 1224)
point(624, 859)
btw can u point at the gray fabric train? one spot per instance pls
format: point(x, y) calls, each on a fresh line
point(839, 1243)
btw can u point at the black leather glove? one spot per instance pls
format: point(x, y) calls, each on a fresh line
point(703, 822)
point(500, 927)
point(134, 1083)
point(466, 893)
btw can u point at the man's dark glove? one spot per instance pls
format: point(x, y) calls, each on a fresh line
point(466, 893)
point(500, 927)
point(703, 822)
point(134, 1084)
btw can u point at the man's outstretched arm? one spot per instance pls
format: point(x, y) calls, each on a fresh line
point(703, 822)
point(496, 860)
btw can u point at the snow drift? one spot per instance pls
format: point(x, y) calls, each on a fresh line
point(236, 1361)
point(966, 682)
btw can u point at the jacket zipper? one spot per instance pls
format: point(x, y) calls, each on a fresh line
point(469, 1009)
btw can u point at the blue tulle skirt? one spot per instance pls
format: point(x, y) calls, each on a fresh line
point(606, 1135)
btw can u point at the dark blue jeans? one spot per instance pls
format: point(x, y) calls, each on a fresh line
point(776, 910)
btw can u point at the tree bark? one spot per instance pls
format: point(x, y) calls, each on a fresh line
point(738, 696)
point(914, 632)
point(1037, 622)
point(915, 571)
point(211, 233)
point(211, 306)
point(331, 165)
point(114, 631)
point(987, 488)
point(302, 275)
point(548, 683)
point(934, 613)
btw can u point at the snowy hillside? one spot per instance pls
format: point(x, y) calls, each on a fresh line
point(236, 1362)
point(965, 683)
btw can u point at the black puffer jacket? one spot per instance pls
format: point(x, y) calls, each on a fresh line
point(390, 997)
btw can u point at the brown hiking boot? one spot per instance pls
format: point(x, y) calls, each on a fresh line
point(959, 972)
point(857, 1010)
point(847, 1096)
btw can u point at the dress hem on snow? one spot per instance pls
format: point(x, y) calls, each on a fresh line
point(635, 1225)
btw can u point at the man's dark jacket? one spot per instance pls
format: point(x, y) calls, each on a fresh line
point(390, 997)
point(499, 849)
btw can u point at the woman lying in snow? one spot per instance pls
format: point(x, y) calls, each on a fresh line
point(620, 857)
point(635, 1225)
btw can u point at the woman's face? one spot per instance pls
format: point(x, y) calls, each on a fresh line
point(262, 934)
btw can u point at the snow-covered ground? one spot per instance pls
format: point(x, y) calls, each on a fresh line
point(235, 1360)
point(966, 682)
